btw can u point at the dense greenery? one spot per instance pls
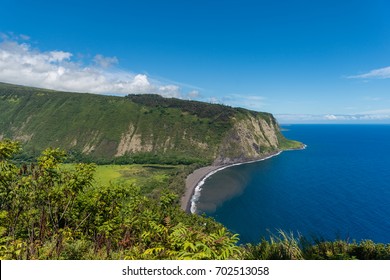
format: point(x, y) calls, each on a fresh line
point(285, 246)
point(214, 112)
point(138, 129)
point(49, 210)
point(91, 126)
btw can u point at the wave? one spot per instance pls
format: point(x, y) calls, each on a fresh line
point(198, 189)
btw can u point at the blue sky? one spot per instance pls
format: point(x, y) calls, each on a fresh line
point(304, 61)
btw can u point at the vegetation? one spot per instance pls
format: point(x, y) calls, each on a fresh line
point(290, 144)
point(83, 125)
point(214, 112)
point(52, 212)
point(138, 129)
point(49, 210)
point(285, 246)
point(152, 179)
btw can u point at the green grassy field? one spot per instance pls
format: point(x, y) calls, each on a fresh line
point(149, 177)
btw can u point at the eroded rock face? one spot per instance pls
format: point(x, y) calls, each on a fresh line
point(250, 138)
point(131, 142)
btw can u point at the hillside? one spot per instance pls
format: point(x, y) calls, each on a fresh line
point(137, 128)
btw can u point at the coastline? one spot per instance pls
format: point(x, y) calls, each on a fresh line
point(192, 181)
point(197, 178)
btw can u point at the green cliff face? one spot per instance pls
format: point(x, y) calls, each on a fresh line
point(146, 128)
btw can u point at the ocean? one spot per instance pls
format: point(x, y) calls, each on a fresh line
point(338, 187)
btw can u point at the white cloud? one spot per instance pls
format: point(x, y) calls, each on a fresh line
point(253, 102)
point(24, 37)
point(330, 117)
point(213, 100)
point(58, 56)
point(193, 94)
point(21, 64)
point(381, 73)
point(170, 91)
point(105, 62)
point(12, 36)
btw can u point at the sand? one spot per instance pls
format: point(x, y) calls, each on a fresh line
point(191, 182)
point(194, 178)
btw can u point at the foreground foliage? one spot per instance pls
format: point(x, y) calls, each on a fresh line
point(284, 246)
point(50, 211)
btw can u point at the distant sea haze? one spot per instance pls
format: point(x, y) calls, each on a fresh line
point(338, 187)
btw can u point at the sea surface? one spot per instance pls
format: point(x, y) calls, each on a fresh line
point(338, 187)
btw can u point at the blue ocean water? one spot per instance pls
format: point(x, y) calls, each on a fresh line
point(338, 187)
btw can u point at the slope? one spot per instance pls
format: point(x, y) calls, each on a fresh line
point(138, 128)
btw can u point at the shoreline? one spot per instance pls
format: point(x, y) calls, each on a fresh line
point(192, 181)
point(196, 179)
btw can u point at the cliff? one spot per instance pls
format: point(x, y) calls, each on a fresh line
point(137, 128)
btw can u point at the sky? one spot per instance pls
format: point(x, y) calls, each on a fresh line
point(303, 61)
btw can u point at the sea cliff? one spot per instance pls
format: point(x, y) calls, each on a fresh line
point(137, 128)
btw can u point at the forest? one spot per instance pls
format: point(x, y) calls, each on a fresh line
point(50, 211)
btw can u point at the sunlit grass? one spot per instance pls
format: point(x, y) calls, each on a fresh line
point(127, 174)
point(147, 176)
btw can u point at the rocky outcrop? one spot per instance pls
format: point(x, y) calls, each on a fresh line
point(131, 142)
point(252, 137)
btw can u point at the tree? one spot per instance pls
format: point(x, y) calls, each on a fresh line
point(50, 211)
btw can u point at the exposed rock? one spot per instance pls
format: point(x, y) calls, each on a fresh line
point(250, 138)
point(92, 142)
point(131, 142)
point(88, 149)
point(74, 142)
point(23, 137)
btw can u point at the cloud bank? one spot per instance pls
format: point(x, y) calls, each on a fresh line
point(369, 117)
point(24, 65)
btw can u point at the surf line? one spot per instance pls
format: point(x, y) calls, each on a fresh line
point(199, 186)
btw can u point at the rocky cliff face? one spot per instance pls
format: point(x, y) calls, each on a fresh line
point(251, 138)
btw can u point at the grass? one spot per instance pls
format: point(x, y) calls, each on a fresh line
point(286, 246)
point(151, 178)
point(106, 174)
